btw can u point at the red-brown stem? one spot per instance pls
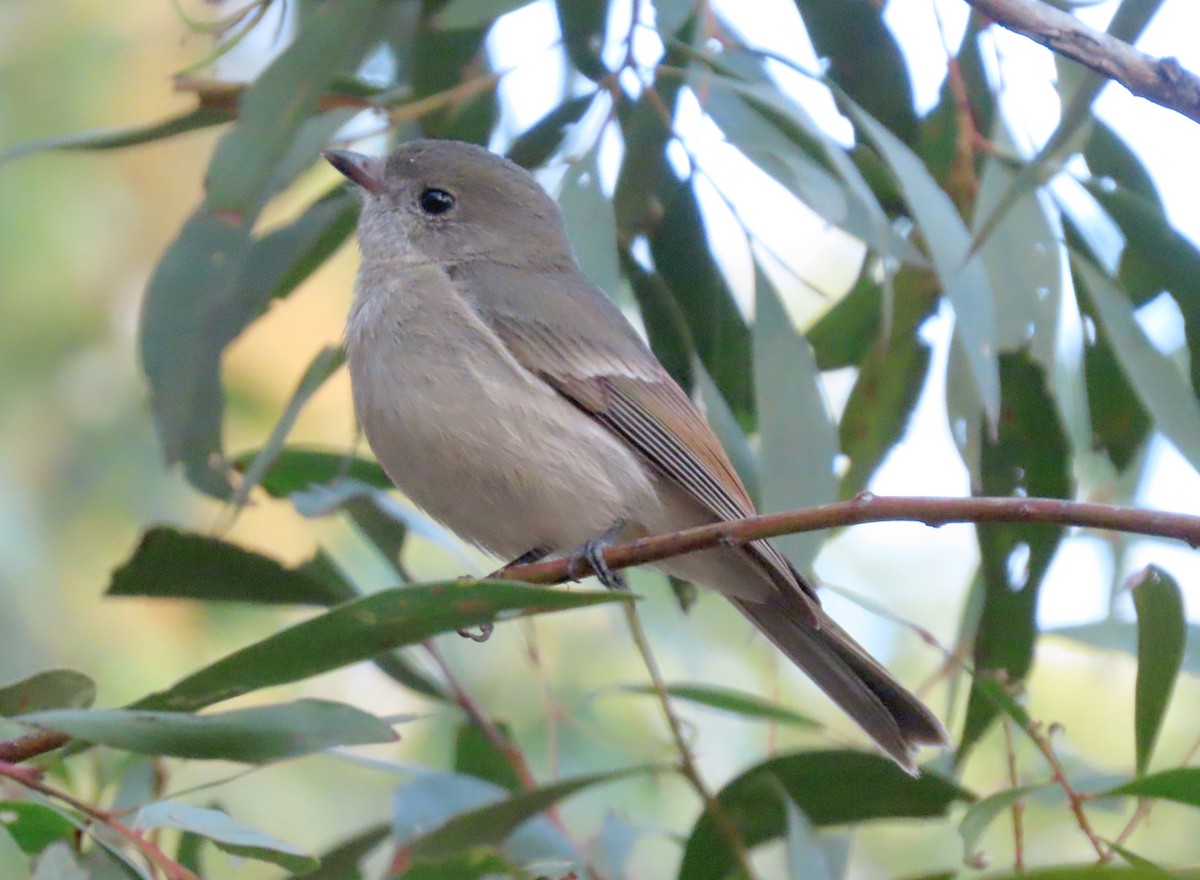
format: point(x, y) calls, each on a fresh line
point(1075, 800)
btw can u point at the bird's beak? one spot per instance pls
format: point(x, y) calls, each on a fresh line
point(366, 171)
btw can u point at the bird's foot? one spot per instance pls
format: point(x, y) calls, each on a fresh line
point(592, 552)
point(529, 556)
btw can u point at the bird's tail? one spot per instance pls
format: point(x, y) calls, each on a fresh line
point(867, 692)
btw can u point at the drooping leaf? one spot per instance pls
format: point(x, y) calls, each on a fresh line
point(254, 736)
point(475, 755)
point(540, 141)
point(297, 468)
point(1162, 632)
point(752, 802)
point(360, 629)
point(591, 222)
point(341, 862)
point(1154, 377)
point(737, 702)
point(962, 273)
point(1109, 157)
point(666, 325)
point(226, 832)
point(51, 689)
point(981, 814)
point(790, 404)
point(844, 334)
point(35, 826)
point(1030, 457)
point(1121, 635)
point(1181, 785)
point(583, 28)
point(184, 565)
point(459, 14)
point(442, 59)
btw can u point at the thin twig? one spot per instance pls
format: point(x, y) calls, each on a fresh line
point(1161, 80)
point(1018, 807)
point(1075, 799)
point(687, 764)
point(867, 508)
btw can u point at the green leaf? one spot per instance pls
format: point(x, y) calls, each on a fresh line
point(491, 824)
point(51, 689)
point(434, 798)
point(790, 404)
point(1121, 635)
point(1181, 785)
point(442, 59)
point(728, 431)
point(1153, 375)
point(458, 14)
point(342, 861)
point(226, 832)
point(890, 378)
point(962, 273)
point(1108, 156)
point(1162, 633)
point(683, 258)
point(868, 787)
point(201, 117)
point(34, 826)
point(298, 468)
point(583, 25)
point(474, 755)
point(666, 325)
point(591, 222)
point(844, 334)
point(981, 814)
point(361, 628)
point(271, 111)
point(324, 364)
point(540, 141)
point(864, 59)
point(1029, 458)
point(254, 736)
point(184, 565)
point(729, 700)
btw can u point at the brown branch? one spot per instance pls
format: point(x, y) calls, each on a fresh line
point(22, 748)
point(1161, 80)
point(867, 508)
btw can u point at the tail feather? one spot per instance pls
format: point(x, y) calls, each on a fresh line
point(867, 692)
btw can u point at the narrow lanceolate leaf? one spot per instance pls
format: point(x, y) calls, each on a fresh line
point(342, 861)
point(226, 832)
point(790, 405)
point(752, 802)
point(961, 272)
point(183, 565)
point(113, 139)
point(1154, 376)
point(358, 630)
point(583, 24)
point(985, 811)
point(281, 100)
point(52, 689)
point(1162, 633)
point(541, 140)
point(297, 468)
point(491, 825)
point(1029, 457)
point(729, 700)
point(1181, 785)
point(253, 736)
point(475, 755)
point(591, 223)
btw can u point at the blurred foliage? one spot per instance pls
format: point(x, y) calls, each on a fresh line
point(826, 268)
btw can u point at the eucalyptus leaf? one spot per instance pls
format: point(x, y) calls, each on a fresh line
point(226, 832)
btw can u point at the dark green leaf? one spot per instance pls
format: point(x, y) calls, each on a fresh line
point(442, 59)
point(1181, 785)
point(475, 864)
point(491, 824)
point(1030, 457)
point(583, 28)
point(297, 468)
point(52, 689)
point(844, 334)
point(342, 861)
point(666, 325)
point(864, 59)
point(1108, 156)
point(684, 260)
point(868, 787)
point(1162, 633)
point(226, 832)
point(1131, 857)
point(890, 378)
point(254, 736)
point(537, 144)
point(186, 565)
point(34, 826)
point(201, 117)
point(1153, 375)
point(962, 273)
point(458, 14)
point(271, 111)
point(790, 404)
point(729, 700)
point(475, 755)
point(359, 629)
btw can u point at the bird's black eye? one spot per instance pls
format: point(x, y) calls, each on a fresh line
point(435, 201)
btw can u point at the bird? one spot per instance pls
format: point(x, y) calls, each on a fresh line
point(509, 398)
